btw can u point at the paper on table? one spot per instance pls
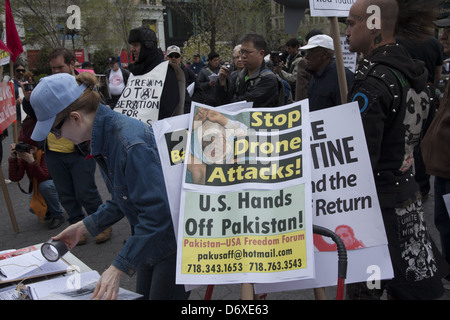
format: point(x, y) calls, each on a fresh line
point(13, 252)
point(86, 292)
point(78, 286)
point(29, 265)
point(9, 293)
point(43, 289)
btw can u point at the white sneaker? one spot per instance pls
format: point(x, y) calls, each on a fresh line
point(7, 181)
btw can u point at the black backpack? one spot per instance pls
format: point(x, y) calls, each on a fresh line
point(284, 89)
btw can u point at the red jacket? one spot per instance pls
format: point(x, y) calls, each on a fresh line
point(18, 167)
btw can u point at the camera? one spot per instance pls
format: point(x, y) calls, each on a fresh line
point(229, 67)
point(276, 57)
point(28, 87)
point(23, 147)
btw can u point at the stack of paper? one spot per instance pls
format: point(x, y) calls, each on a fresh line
point(29, 265)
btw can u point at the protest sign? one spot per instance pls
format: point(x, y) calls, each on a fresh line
point(344, 200)
point(7, 117)
point(330, 8)
point(141, 97)
point(171, 138)
point(337, 176)
point(4, 57)
point(244, 212)
point(350, 58)
point(7, 105)
point(344, 193)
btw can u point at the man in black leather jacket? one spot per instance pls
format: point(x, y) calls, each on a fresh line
point(394, 102)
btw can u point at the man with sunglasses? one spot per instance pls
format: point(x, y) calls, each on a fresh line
point(19, 72)
point(255, 82)
point(173, 54)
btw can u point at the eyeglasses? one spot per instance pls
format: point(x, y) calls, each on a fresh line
point(246, 52)
point(56, 130)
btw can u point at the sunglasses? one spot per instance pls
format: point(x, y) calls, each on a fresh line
point(20, 70)
point(56, 130)
point(176, 56)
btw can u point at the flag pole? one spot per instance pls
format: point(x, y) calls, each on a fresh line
point(15, 124)
point(339, 59)
point(14, 41)
point(8, 201)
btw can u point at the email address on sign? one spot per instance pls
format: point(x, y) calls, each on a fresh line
point(244, 254)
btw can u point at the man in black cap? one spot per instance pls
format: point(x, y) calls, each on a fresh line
point(147, 55)
point(207, 79)
point(116, 78)
point(197, 65)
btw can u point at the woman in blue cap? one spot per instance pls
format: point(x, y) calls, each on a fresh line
point(122, 147)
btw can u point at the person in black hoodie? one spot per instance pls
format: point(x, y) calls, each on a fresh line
point(391, 90)
point(147, 55)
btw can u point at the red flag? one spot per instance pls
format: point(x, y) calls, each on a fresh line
point(12, 37)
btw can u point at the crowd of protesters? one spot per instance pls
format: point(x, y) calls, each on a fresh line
point(395, 85)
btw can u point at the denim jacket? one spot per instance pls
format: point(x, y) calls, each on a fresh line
point(126, 152)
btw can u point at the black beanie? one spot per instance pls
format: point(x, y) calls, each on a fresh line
point(144, 35)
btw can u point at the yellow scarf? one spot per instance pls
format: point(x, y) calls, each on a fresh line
point(37, 202)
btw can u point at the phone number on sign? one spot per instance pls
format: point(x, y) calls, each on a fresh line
point(240, 267)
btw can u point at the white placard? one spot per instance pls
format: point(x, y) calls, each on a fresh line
point(350, 58)
point(330, 8)
point(141, 99)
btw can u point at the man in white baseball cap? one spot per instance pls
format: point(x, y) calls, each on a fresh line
point(173, 50)
point(323, 90)
point(320, 40)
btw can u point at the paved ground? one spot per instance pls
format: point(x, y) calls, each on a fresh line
point(99, 257)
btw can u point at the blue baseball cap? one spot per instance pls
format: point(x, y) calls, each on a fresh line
point(51, 96)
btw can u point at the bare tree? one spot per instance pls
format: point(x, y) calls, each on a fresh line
point(224, 20)
point(124, 13)
point(45, 21)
